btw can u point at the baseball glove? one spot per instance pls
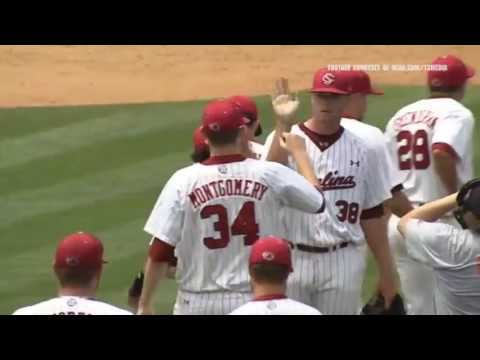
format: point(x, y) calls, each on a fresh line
point(136, 289)
point(376, 306)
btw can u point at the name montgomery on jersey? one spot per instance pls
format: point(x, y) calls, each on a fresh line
point(222, 188)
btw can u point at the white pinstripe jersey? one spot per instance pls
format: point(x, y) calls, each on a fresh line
point(213, 213)
point(374, 137)
point(352, 183)
point(413, 131)
point(71, 305)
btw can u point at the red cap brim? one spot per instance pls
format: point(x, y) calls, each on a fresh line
point(328, 90)
point(375, 92)
point(470, 72)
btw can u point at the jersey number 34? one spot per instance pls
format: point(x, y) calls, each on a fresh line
point(244, 224)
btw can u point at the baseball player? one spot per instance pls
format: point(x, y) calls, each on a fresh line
point(353, 120)
point(210, 213)
point(431, 141)
point(201, 152)
point(270, 264)
point(329, 257)
point(78, 266)
point(452, 253)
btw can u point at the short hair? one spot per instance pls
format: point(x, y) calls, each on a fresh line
point(269, 273)
point(200, 156)
point(445, 89)
point(222, 138)
point(80, 277)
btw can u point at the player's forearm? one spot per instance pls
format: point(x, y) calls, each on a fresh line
point(434, 210)
point(375, 231)
point(276, 153)
point(383, 257)
point(445, 167)
point(304, 167)
point(154, 272)
point(399, 204)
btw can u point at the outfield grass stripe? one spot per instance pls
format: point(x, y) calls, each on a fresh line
point(41, 230)
point(68, 138)
point(90, 188)
point(24, 121)
point(98, 157)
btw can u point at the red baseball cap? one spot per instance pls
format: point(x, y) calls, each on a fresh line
point(249, 109)
point(454, 73)
point(199, 140)
point(333, 82)
point(361, 83)
point(79, 250)
point(222, 116)
point(271, 250)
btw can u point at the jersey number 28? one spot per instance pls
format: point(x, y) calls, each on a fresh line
point(244, 224)
point(417, 145)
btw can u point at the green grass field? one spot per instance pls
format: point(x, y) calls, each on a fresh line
point(100, 169)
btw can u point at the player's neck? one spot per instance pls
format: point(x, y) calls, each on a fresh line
point(352, 115)
point(265, 290)
point(226, 150)
point(440, 95)
point(77, 292)
point(323, 127)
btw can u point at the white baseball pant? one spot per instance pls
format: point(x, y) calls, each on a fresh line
point(331, 282)
point(214, 303)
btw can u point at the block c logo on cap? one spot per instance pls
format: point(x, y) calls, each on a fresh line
point(267, 255)
point(214, 127)
point(328, 79)
point(72, 261)
point(436, 82)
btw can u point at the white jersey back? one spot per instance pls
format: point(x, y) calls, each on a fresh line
point(257, 149)
point(454, 254)
point(275, 307)
point(213, 213)
point(353, 184)
point(373, 137)
point(71, 305)
point(415, 130)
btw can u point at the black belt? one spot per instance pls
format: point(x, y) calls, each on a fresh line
point(320, 250)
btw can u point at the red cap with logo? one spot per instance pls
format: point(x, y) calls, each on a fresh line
point(199, 140)
point(451, 72)
point(247, 107)
point(222, 116)
point(79, 250)
point(332, 82)
point(361, 83)
point(271, 250)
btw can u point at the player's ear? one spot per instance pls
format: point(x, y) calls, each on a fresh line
point(97, 277)
point(243, 133)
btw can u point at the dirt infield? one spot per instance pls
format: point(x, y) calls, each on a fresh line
point(68, 75)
